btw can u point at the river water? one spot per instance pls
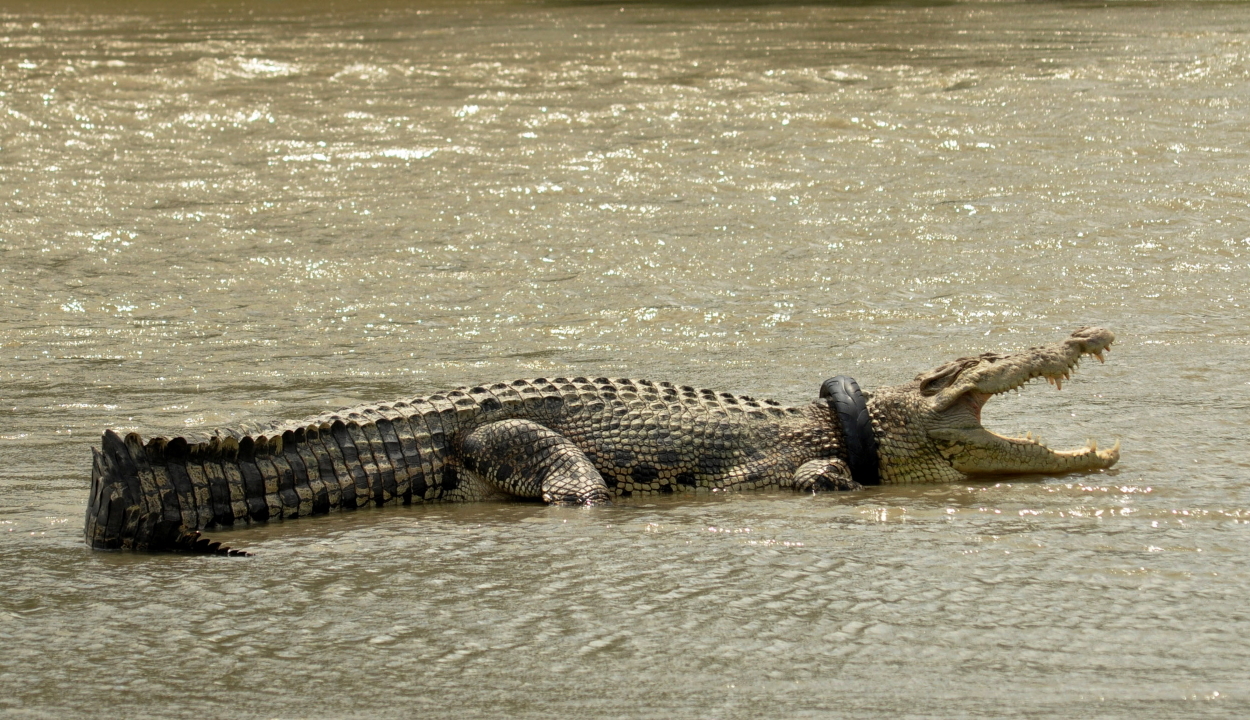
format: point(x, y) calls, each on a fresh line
point(219, 213)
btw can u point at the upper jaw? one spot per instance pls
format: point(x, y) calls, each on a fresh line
point(995, 374)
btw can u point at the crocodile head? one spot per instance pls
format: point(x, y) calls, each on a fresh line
point(929, 430)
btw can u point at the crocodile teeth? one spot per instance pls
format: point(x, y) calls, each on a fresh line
point(1093, 445)
point(1098, 354)
point(1059, 383)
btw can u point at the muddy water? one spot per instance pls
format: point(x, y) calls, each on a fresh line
point(235, 213)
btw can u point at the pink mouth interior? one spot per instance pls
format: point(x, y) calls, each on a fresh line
point(975, 401)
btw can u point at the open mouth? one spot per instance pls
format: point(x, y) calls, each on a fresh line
point(972, 449)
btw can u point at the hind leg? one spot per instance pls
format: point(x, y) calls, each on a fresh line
point(525, 459)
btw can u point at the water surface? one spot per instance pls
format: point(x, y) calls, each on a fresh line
point(219, 213)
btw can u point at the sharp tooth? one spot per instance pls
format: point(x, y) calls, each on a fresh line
point(1029, 436)
point(1050, 380)
point(1098, 354)
point(1058, 383)
point(1093, 445)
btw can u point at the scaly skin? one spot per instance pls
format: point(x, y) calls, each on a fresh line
point(567, 441)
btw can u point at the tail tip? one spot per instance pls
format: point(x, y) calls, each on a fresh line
point(194, 542)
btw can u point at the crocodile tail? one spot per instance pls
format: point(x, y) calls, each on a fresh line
point(135, 502)
point(160, 495)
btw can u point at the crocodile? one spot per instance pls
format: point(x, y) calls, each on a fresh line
point(579, 440)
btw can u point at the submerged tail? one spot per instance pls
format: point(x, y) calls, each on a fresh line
point(159, 495)
point(136, 504)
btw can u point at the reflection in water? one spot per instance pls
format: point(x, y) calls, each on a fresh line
point(223, 214)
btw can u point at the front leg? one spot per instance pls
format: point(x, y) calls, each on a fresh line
point(525, 459)
point(824, 474)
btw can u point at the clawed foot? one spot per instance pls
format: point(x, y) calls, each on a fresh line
point(592, 500)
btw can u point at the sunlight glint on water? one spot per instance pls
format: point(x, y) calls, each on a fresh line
point(239, 214)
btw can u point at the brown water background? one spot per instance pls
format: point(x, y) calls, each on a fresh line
point(218, 213)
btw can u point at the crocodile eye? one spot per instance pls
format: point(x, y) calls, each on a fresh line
point(938, 380)
point(934, 384)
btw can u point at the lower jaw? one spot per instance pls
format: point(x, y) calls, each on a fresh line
point(1051, 462)
point(988, 453)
